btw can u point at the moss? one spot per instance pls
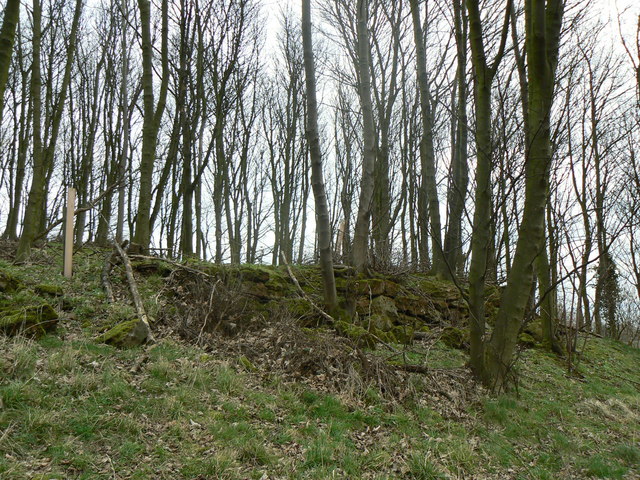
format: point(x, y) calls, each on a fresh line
point(527, 340)
point(151, 267)
point(356, 333)
point(296, 306)
point(254, 273)
point(378, 322)
point(457, 338)
point(402, 333)
point(49, 290)
point(126, 334)
point(384, 306)
point(535, 330)
point(374, 287)
point(247, 364)
point(9, 283)
point(32, 320)
point(416, 306)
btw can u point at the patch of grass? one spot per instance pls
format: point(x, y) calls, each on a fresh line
point(72, 408)
point(421, 468)
point(629, 454)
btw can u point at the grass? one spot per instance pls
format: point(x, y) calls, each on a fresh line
point(71, 408)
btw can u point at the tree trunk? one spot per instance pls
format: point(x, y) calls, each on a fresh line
point(317, 180)
point(152, 116)
point(427, 154)
point(361, 235)
point(543, 23)
point(7, 38)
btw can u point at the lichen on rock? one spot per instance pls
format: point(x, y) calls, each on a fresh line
point(32, 320)
point(130, 333)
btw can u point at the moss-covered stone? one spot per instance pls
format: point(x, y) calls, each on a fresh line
point(151, 267)
point(356, 333)
point(33, 320)
point(297, 307)
point(255, 273)
point(457, 338)
point(374, 287)
point(378, 322)
point(9, 283)
point(535, 330)
point(527, 340)
point(416, 306)
point(384, 306)
point(49, 290)
point(127, 334)
point(403, 333)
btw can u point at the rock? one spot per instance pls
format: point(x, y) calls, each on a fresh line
point(374, 287)
point(377, 321)
point(527, 340)
point(127, 334)
point(151, 267)
point(258, 290)
point(384, 306)
point(49, 290)
point(456, 338)
point(9, 283)
point(254, 273)
point(534, 329)
point(358, 334)
point(33, 320)
point(415, 306)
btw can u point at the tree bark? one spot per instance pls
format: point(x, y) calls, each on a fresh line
point(427, 154)
point(361, 235)
point(7, 38)
point(317, 181)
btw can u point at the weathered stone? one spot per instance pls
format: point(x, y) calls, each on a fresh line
point(527, 340)
point(9, 283)
point(127, 334)
point(384, 306)
point(535, 330)
point(33, 320)
point(374, 287)
point(378, 321)
point(49, 290)
point(414, 306)
point(356, 333)
point(255, 273)
point(454, 337)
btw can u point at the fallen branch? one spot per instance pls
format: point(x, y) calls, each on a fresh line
point(133, 287)
point(302, 293)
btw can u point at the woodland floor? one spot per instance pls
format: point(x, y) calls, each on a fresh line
point(74, 408)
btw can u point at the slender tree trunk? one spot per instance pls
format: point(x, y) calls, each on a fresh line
point(457, 193)
point(361, 235)
point(152, 117)
point(543, 22)
point(481, 239)
point(317, 181)
point(427, 153)
point(36, 193)
point(7, 38)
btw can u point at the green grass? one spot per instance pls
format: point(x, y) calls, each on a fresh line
point(72, 408)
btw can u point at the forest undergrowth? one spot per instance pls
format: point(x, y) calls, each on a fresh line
point(287, 399)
